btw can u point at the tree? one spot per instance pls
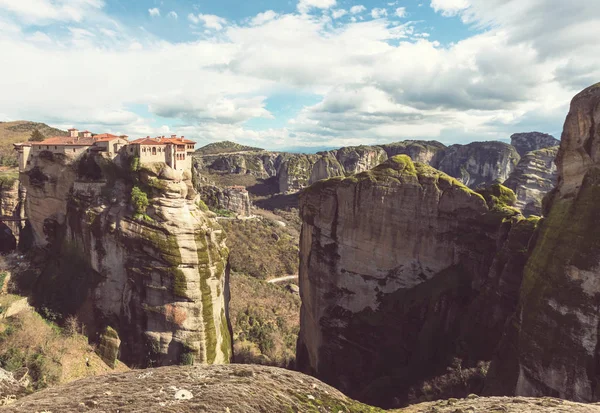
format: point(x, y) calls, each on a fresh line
point(36, 136)
point(139, 200)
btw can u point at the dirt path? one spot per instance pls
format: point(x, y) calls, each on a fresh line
point(282, 279)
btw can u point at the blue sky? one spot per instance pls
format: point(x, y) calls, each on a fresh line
point(298, 74)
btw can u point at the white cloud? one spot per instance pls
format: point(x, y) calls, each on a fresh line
point(154, 12)
point(262, 18)
point(336, 14)
point(210, 21)
point(357, 9)
point(374, 80)
point(400, 12)
point(173, 15)
point(449, 7)
point(46, 11)
point(39, 37)
point(304, 6)
point(378, 13)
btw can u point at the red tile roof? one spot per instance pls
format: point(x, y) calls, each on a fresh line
point(105, 137)
point(86, 141)
point(161, 141)
point(66, 140)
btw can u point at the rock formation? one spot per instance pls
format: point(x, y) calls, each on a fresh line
point(402, 269)
point(429, 152)
point(551, 345)
point(230, 198)
point(245, 389)
point(532, 141)
point(153, 271)
point(12, 205)
point(534, 176)
point(479, 163)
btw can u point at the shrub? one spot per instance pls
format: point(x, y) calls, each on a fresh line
point(71, 326)
point(134, 164)
point(139, 200)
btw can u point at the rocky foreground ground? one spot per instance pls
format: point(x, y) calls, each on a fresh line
point(243, 389)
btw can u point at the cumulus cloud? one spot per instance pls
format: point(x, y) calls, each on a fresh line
point(262, 18)
point(357, 9)
point(449, 7)
point(210, 21)
point(372, 81)
point(154, 12)
point(173, 15)
point(400, 12)
point(304, 6)
point(378, 13)
point(47, 11)
point(336, 14)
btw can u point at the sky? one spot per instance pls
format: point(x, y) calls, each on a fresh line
point(298, 74)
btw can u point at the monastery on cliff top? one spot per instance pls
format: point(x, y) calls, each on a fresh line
point(175, 152)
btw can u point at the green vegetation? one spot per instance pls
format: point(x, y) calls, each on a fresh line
point(261, 248)
point(8, 178)
point(202, 206)
point(265, 322)
point(139, 200)
point(134, 164)
point(36, 136)
point(225, 147)
point(222, 212)
point(500, 199)
point(47, 353)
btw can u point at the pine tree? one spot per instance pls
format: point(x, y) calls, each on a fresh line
point(36, 136)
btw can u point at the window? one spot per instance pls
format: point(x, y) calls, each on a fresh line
point(73, 149)
point(47, 147)
point(28, 162)
point(55, 148)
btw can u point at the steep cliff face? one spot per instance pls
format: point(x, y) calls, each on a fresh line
point(552, 345)
point(260, 164)
point(156, 275)
point(532, 141)
point(231, 198)
point(429, 152)
point(534, 176)
point(479, 162)
point(400, 269)
point(12, 206)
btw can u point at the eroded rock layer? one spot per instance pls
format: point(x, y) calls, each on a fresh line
point(552, 345)
point(157, 276)
point(532, 141)
point(479, 163)
point(402, 270)
point(534, 176)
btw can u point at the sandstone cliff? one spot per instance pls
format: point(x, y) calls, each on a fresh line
point(479, 163)
point(429, 152)
point(245, 389)
point(230, 198)
point(12, 206)
point(154, 271)
point(534, 176)
point(551, 346)
point(402, 269)
point(532, 141)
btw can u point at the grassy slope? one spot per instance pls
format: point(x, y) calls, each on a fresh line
point(265, 320)
point(20, 131)
point(225, 147)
